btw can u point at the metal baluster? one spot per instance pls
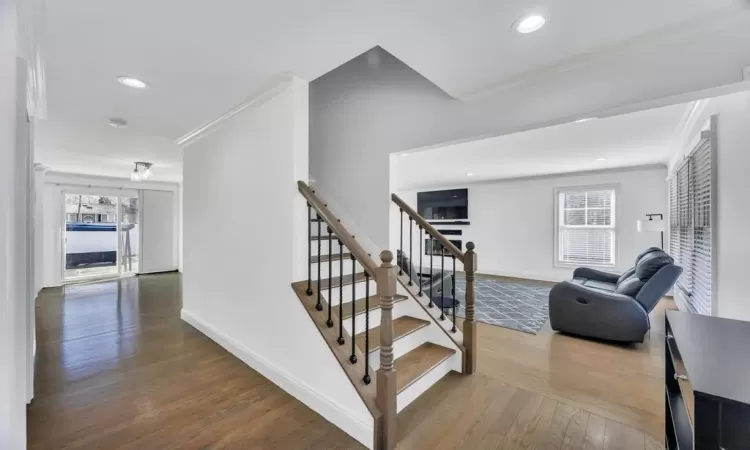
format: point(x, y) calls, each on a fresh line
point(453, 292)
point(367, 378)
point(411, 250)
point(432, 250)
point(401, 248)
point(340, 340)
point(329, 322)
point(419, 275)
point(353, 358)
point(442, 277)
point(309, 290)
point(319, 305)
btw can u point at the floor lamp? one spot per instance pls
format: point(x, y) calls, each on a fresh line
point(653, 225)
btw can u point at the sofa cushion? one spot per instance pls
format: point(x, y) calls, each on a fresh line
point(646, 252)
point(604, 286)
point(630, 272)
point(630, 287)
point(651, 263)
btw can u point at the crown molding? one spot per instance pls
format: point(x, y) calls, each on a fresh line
point(735, 16)
point(275, 87)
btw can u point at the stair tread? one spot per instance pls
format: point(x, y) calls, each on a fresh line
point(347, 279)
point(333, 257)
point(359, 305)
point(324, 237)
point(402, 326)
point(418, 362)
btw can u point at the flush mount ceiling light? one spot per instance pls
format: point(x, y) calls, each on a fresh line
point(132, 82)
point(529, 24)
point(141, 172)
point(117, 122)
point(469, 174)
point(601, 158)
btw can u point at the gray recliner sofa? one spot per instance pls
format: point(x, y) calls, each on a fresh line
point(609, 306)
point(440, 281)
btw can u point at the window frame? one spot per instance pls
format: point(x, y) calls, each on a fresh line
point(557, 262)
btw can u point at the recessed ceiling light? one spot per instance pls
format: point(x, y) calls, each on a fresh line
point(117, 122)
point(469, 174)
point(584, 119)
point(132, 82)
point(601, 158)
point(529, 24)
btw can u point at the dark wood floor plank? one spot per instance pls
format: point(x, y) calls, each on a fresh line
point(117, 368)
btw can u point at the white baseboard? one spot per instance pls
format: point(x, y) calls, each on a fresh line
point(335, 413)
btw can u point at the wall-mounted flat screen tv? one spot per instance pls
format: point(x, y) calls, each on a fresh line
point(444, 205)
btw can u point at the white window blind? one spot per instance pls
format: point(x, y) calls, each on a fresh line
point(586, 226)
point(690, 225)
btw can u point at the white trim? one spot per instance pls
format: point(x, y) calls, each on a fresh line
point(270, 91)
point(335, 413)
point(556, 220)
point(714, 124)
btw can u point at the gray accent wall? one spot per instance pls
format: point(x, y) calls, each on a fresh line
point(366, 109)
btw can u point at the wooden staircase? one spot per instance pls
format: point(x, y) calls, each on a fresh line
point(388, 337)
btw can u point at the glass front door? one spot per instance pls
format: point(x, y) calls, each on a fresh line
point(90, 236)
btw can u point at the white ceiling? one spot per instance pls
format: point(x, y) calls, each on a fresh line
point(641, 138)
point(202, 58)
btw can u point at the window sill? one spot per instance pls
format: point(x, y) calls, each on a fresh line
point(565, 265)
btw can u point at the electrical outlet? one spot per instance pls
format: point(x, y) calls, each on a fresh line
point(746, 73)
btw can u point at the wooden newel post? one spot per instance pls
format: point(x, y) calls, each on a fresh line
point(470, 322)
point(386, 375)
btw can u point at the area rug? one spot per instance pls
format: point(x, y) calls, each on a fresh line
point(516, 306)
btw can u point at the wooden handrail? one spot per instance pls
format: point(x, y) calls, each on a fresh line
point(438, 236)
point(339, 231)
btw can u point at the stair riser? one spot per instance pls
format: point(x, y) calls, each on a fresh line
point(359, 292)
point(399, 309)
point(402, 346)
point(335, 268)
point(420, 386)
point(324, 247)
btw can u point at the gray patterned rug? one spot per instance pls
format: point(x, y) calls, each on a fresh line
point(511, 305)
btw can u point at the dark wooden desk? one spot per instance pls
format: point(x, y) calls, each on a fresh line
point(707, 382)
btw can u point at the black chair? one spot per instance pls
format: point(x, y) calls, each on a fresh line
point(609, 306)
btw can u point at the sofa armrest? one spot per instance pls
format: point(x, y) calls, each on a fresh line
point(592, 312)
point(593, 274)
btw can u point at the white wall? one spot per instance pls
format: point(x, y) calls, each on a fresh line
point(361, 112)
point(732, 227)
point(512, 221)
point(240, 188)
point(13, 246)
point(55, 184)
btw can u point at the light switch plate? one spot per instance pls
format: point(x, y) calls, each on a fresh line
point(746, 75)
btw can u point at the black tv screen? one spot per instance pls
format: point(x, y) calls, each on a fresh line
point(444, 205)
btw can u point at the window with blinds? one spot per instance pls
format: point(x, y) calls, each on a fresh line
point(586, 226)
point(690, 225)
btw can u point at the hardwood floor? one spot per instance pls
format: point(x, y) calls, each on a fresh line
point(117, 368)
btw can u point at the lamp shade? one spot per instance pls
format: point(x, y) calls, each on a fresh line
point(651, 225)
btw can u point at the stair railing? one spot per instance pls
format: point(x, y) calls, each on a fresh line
point(385, 278)
point(442, 247)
